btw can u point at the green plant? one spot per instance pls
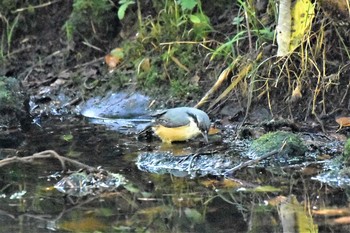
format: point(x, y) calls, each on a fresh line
point(124, 4)
point(7, 34)
point(69, 29)
point(181, 88)
point(347, 150)
point(88, 16)
point(248, 25)
point(159, 41)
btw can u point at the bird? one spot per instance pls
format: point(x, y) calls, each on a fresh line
point(179, 124)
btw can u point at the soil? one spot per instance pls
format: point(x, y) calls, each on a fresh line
point(64, 74)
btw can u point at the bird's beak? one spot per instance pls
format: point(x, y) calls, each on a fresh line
point(205, 136)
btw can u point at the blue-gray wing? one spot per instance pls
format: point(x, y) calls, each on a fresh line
point(172, 118)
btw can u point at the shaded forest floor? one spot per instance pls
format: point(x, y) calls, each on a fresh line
point(58, 52)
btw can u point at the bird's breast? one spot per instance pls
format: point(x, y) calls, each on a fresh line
point(181, 133)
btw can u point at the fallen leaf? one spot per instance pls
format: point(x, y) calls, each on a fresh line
point(195, 80)
point(277, 200)
point(343, 122)
point(177, 62)
point(225, 183)
point(213, 130)
point(114, 57)
point(296, 94)
point(89, 224)
point(145, 64)
point(111, 61)
point(342, 220)
point(332, 212)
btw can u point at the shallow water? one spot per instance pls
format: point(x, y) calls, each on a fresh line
point(254, 199)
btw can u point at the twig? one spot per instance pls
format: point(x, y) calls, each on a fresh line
point(248, 30)
point(34, 7)
point(45, 155)
point(88, 63)
point(250, 162)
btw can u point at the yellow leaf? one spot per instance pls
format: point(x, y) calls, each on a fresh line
point(296, 94)
point(225, 183)
point(303, 13)
point(88, 224)
point(223, 76)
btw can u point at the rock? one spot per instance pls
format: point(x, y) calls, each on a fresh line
point(14, 114)
point(123, 112)
point(347, 150)
point(292, 144)
point(116, 105)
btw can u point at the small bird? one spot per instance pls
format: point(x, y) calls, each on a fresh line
point(180, 124)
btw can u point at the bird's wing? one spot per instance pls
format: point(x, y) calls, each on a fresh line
point(172, 119)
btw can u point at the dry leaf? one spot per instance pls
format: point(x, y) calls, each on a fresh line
point(114, 57)
point(223, 76)
point(277, 200)
point(296, 94)
point(145, 64)
point(225, 183)
point(177, 62)
point(213, 130)
point(343, 122)
point(111, 61)
point(332, 212)
point(342, 220)
point(195, 80)
point(89, 224)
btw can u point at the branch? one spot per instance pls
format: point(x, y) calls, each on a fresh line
point(45, 155)
point(250, 162)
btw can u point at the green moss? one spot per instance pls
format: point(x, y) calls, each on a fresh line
point(347, 150)
point(9, 92)
point(7, 6)
point(291, 143)
point(85, 14)
point(180, 88)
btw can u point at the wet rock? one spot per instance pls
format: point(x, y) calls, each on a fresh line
point(123, 112)
point(14, 114)
point(81, 184)
point(337, 170)
point(347, 150)
point(338, 177)
point(192, 165)
point(116, 105)
point(289, 144)
point(49, 103)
